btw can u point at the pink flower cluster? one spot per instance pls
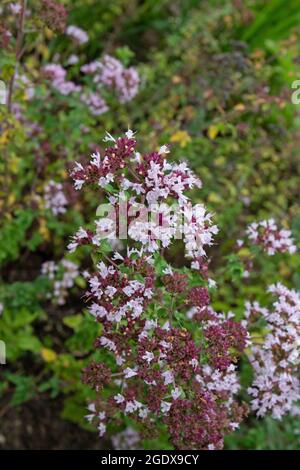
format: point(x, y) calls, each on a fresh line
point(54, 198)
point(53, 14)
point(24, 82)
point(276, 385)
point(96, 104)
point(57, 74)
point(15, 8)
point(155, 370)
point(126, 440)
point(78, 34)
point(162, 373)
point(111, 73)
point(153, 182)
point(62, 276)
point(270, 238)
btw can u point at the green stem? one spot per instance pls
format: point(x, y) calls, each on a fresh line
point(19, 51)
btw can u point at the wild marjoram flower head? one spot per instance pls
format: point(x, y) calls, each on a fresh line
point(112, 73)
point(54, 198)
point(270, 238)
point(162, 366)
point(108, 73)
point(276, 385)
point(62, 277)
point(77, 34)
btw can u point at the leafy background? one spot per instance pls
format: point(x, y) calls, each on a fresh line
point(216, 84)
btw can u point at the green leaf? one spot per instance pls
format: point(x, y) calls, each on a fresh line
point(25, 388)
point(30, 343)
point(73, 321)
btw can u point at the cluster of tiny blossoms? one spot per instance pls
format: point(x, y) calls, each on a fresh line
point(153, 222)
point(15, 8)
point(57, 74)
point(109, 73)
point(53, 14)
point(96, 104)
point(50, 13)
point(157, 370)
point(54, 198)
point(270, 238)
point(128, 439)
point(276, 385)
point(77, 34)
point(112, 73)
point(62, 276)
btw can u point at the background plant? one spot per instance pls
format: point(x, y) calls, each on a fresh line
point(214, 82)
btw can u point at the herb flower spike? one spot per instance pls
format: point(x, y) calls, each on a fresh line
point(161, 365)
point(154, 189)
point(276, 385)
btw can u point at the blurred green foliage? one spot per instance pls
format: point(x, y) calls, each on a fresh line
point(216, 84)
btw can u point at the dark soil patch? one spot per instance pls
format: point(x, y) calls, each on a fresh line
point(37, 425)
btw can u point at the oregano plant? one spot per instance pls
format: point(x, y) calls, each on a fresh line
point(168, 359)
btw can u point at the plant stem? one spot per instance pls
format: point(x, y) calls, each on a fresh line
point(110, 260)
point(19, 52)
point(117, 374)
point(171, 311)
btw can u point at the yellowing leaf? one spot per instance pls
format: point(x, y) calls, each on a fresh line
point(219, 161)
point(284, 270)
point(214, 197)
point(176, 79)
point(182, 137)
point(240, 107)
point(43, 50)
point(213, 131)
point(66, 363)
point(244, 252)
point(4, 138)
point(43, 230)
point(11, 199)
point(63, 173)
point(49, 33)
point(13, 164)
point(48, 355)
